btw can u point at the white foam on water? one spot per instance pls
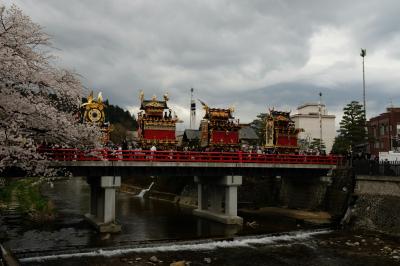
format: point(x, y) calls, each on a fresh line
point(240, 242)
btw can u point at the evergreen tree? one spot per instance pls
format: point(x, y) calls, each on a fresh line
point(352, 133)
point(259, 125)
point(341, 145)
point(317, 145)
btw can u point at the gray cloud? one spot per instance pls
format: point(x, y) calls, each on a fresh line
point(253, 54)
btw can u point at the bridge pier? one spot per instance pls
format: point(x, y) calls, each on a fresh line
point(102, 202)
point(210, 196)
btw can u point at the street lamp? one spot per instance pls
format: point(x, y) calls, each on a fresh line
point(363, 54)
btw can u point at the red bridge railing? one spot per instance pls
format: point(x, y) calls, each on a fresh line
point(189, 156)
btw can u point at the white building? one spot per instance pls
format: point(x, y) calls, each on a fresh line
point(308, 119)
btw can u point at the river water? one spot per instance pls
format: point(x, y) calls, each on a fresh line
point(152, 223)
point(142, 220)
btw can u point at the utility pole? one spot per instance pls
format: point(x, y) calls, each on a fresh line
point(320, 121)
point(363, 54)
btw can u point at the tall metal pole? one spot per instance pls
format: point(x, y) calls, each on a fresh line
point(320, 121)
point(390, 133)
point(363, 54)
point(192, 110)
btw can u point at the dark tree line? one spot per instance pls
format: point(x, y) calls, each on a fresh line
point(117, 115)
point(121, 120)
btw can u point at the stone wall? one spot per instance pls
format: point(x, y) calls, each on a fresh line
point(377, 213)
point(378, 185)
point(377, 204)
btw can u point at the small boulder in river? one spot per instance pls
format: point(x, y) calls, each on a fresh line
point(154, 259)
point(207, 260)
point(178, 263)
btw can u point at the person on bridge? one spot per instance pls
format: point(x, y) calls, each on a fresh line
point(152, 150)
point(124, 145)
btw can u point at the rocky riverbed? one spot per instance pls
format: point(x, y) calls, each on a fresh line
point(296, 248)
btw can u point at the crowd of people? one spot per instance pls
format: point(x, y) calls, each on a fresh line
point(134, 146)
point(256, 149)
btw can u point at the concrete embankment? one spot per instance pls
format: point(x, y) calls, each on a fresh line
point(377, 204)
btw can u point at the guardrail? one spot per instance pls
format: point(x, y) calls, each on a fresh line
point(186, 156)
point(376, 168)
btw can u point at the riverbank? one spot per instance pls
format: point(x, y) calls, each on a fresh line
point(22, 197)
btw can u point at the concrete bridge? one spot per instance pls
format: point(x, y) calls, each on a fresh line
point(217, 174)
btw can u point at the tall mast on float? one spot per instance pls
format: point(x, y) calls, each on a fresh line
point(192, 110)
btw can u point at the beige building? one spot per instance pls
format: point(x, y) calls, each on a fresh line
point(308, 119)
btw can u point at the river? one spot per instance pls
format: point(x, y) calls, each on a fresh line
point(161, 227)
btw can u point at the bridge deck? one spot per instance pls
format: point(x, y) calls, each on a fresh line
point(177, 163)
point(179, 158)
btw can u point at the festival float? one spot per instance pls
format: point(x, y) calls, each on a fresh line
point(93, 111)
point(280, 133)
point(157, 125)
point(219, 129)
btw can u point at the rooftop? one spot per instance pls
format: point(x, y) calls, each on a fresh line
point(309, 104)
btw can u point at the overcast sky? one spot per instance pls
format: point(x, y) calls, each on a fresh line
point(253, 55)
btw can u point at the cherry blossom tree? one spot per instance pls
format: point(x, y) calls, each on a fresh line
point(38, 101)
